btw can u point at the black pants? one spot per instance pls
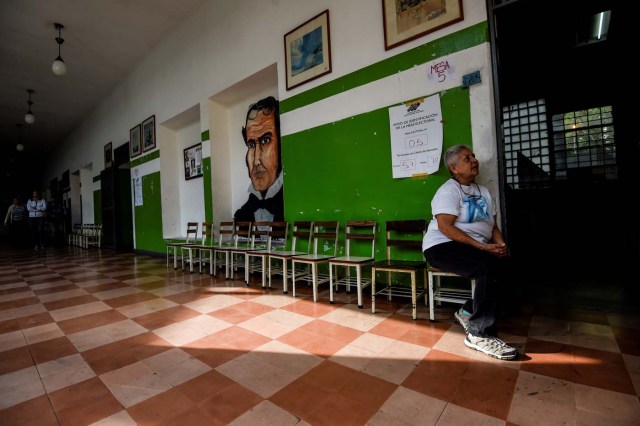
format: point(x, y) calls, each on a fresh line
point(19, 235)
point(36, 224)
point(470, 262)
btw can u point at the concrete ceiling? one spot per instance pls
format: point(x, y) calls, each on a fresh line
point(104, 40)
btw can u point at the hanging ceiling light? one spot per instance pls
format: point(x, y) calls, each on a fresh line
point(29, 117)
point(59, 67)
point(19, 146)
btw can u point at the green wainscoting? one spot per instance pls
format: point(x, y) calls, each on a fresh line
point(342, 170)
point(97, 206)
point(148, 216)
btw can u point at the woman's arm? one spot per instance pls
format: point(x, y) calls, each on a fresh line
point(447, 225)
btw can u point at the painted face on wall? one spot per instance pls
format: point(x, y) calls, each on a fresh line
point(262, 151)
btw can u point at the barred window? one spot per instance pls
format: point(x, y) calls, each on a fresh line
point(584, 144)
point(526, 144)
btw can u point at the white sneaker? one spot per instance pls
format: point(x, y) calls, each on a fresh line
point(463, 318)
point(491, 346)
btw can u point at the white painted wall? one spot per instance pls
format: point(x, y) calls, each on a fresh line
point(191, 191)
point(217, 47)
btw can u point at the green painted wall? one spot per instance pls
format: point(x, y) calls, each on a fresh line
point(148, 219)
point(342, 170)
point(97, 206)
point(208, 197)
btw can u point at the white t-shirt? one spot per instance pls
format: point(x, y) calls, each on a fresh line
point(473, 207)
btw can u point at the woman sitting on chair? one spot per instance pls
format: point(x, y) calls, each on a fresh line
point(463, 238)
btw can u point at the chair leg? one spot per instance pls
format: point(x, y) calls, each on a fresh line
point(413, 295)
point(293, 277)
point(359, 286)
point(432, 315)
point(373, 290)
point(285, 290)
point(314, 278)
point(246, 269)
point(331, 283)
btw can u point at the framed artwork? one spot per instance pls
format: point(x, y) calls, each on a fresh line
point(193, 162)
point(149, 134)
point(406, 20)
point(108, 155)
point(307, 51)
point(135, 141)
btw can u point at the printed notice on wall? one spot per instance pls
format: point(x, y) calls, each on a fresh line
point(416, 137)
point(137, 191)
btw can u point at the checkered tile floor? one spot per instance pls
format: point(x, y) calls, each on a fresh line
point(89, 337)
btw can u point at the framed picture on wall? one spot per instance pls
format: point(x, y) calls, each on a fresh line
point(108, 155)
point(193, 162)
point(406, 20)
point(307, 51)
point(149, 134)
point(135, 141)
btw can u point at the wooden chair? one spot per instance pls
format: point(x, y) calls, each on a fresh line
point(325, 234)
point(403, 240)
point(439, 293)
point(301, 236)
point(359, 233)
point(174, 246)
point(241, 244)
point(274, 239)
point(195, 251)
point(95, 238)
point(221, 248)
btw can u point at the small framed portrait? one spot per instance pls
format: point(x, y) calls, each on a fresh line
point(193, 162)
point(307, 51)
point(135, 141)
point(108, 155)
point(406, 20)
point(149, 134)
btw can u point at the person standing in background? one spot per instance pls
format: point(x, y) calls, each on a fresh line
point(16, 219)
point(37, 208)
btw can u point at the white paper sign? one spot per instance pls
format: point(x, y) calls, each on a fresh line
point(137, 191)
point(416, 137)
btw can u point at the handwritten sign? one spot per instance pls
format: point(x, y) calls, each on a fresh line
point(441, 70)
point(416, 137)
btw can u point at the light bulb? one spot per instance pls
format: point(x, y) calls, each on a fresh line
point(19, 147)
point(59, 67)
point(29, 118)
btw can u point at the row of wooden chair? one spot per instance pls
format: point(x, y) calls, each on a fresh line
point(85, 235)
point(262, 247)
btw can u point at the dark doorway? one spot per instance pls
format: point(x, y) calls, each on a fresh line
point(567, 146)
point(115, 181)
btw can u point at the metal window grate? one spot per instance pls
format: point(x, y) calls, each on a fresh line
point(526, 144)
point(584, 144)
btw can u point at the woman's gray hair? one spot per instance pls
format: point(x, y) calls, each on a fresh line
point(451, 155)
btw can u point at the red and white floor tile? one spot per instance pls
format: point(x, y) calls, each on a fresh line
point(105, 338)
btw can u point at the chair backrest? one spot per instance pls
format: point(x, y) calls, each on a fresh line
point(278, 233)
point(326, 234)
point(225, 234)
point(207, 237)
point(360, 231)
point(260, 234)
point(242, 234)
point(302, 230)
point(404, 236)
point(192, 232)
